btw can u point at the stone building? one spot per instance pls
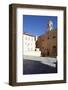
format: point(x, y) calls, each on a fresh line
point(47, 43)
point(29, 45)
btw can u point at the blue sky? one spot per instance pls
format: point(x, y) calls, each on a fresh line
point(37, 25)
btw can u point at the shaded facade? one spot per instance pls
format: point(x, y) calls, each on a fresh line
point(47, 44)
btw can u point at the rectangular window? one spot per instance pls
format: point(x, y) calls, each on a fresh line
point(54, 36)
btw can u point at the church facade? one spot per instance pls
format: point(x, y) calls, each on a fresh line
point(47, 43)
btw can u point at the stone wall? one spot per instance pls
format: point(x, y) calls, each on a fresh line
point(47, 43)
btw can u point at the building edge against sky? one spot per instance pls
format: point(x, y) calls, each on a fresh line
point(47, 43)
point(38, 25)
point(44, 45)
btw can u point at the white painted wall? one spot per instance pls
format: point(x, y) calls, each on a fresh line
point(4, 44)
point(32, 53)
point(29, 45)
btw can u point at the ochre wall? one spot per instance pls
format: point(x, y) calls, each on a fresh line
point(48, 43)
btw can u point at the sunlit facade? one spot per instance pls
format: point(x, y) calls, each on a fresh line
point(47, 43)
point(29, 45)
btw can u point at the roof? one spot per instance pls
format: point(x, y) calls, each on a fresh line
point(48, 32)
point(29, 34)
